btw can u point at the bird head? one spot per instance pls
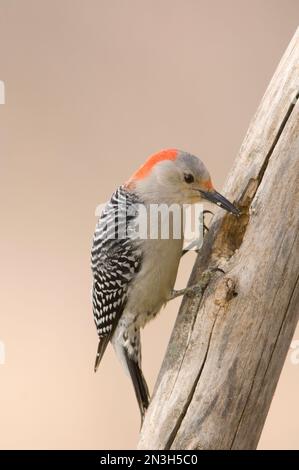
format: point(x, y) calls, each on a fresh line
point(173, 176)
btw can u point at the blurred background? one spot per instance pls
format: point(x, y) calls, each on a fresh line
point(92, 88)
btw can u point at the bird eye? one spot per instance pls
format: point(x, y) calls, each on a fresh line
point(188, 178)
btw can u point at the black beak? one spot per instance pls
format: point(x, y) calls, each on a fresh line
point(220, 200)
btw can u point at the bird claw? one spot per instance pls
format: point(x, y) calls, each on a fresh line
point(196, 289)
point(206, 211)
point(205, 228)
point(196, 242)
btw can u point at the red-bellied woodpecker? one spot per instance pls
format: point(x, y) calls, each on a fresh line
point(133, 277)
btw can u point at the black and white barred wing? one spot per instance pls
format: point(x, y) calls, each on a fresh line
point(115, 260)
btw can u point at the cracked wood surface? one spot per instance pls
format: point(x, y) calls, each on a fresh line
point(228, 347)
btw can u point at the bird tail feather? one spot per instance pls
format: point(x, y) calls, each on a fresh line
point(139, 383)
point(100, 352)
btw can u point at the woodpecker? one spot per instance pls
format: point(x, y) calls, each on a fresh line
point(133, 277)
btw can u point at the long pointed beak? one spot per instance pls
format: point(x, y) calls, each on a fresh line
point(221, 201)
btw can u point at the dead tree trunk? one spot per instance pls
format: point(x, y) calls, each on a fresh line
point(228, 347)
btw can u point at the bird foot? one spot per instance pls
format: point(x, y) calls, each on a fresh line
point(197, 243)
point(196, 289)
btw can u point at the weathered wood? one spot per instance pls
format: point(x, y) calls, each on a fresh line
point(227, 348)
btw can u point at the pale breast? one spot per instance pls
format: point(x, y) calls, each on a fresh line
point(155, 280)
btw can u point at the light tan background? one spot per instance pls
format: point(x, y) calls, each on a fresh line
point(92, 88)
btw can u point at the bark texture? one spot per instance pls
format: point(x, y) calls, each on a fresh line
point(228, 346)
